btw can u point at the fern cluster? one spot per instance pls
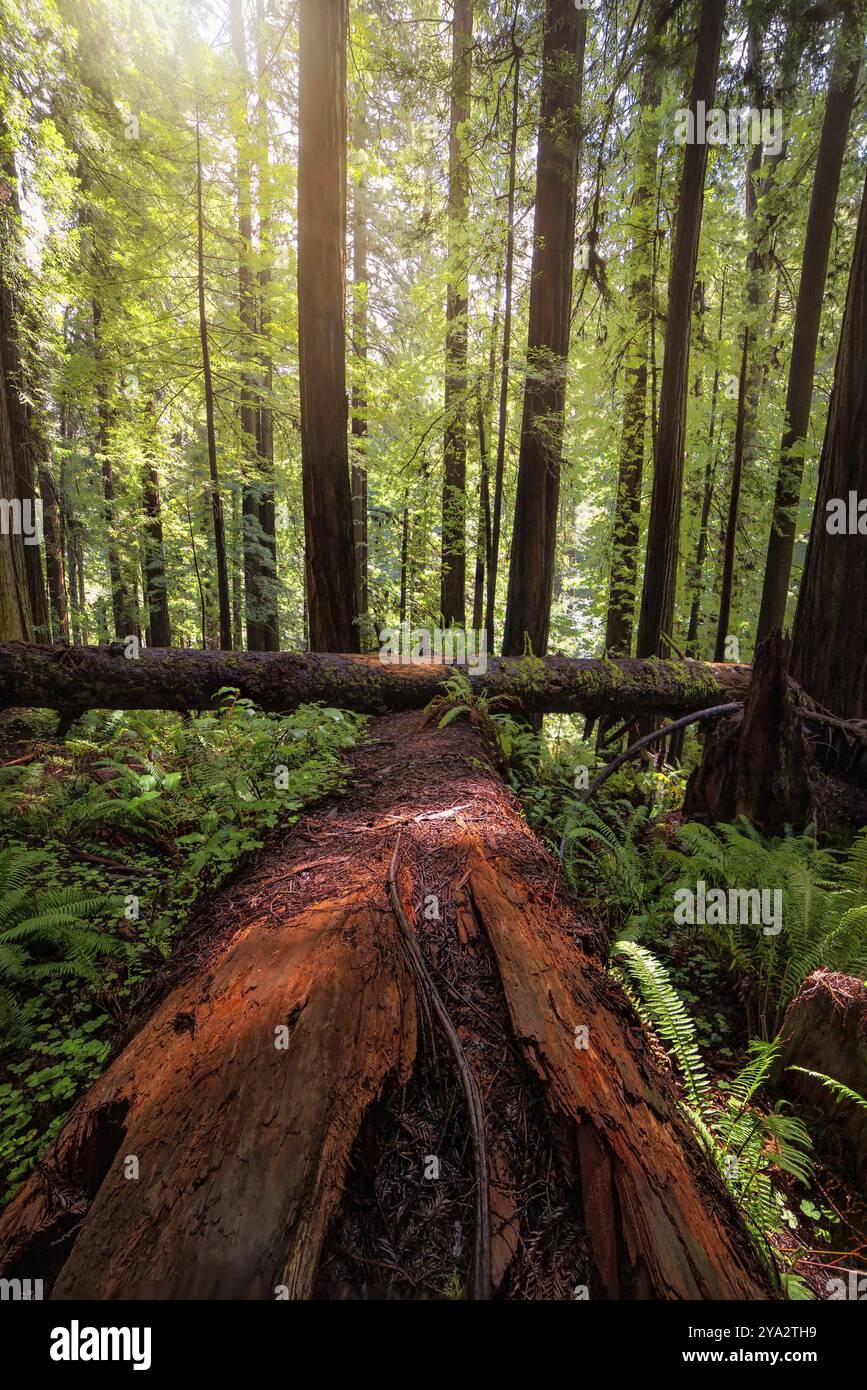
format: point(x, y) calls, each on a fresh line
point(824, 914)
point(750, 1144)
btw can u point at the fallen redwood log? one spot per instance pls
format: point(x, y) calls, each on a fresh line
point(825, 1031)
point(286, 1115)
point(75, 679)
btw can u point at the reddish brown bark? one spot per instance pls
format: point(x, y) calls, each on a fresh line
point(454, 502)
point(829, 641)
point(54, 557)
point(244, 1148)
point(825, 1031)
point(322, 126)
point(663, 532)
point(757, 764)
point(531, 571)
point(808, 314)
point(627, 506)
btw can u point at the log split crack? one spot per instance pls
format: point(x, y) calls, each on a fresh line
point(480, 1281)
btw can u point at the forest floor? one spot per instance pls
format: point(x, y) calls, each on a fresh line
point(404, 1226)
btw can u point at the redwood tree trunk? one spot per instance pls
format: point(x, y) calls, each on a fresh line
point(265, 433)
point(159, 627)
point(808, 314)
point(248, 1093)
point(731, 533)
point(625, 532)
point(55, 564)
point(534, 534)
point(252, 527)
point(221, 566)
point(509, 277)
point(697, 579)
point(330, 571)
point(21, 420)
point(663, 532)
point(122, 604)
point(829, 641)
point(359, 382)
point(16, 622)
point(454, 510)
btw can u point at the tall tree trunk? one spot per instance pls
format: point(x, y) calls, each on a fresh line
point(734, 506)
point(154, 570)
point(236, 550)
point(27, 447)
point(808, 313)
point(252, 542)
point(483, 523)
point(707, 495)
point(216, 498)
point(359, 372)
point(265, 433)
point(330, 570)
point(69, 527)
point(484, 417)
point(55, 566)
point(663, 531)
point(454, 518)
point(16, 623)
point(624, 543)
point(829, 642)
point(122, 605)
point(404, 561)
point(509, 277)
point(531, 571)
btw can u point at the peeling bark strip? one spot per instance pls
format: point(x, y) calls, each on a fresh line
point(75, 679)
point(244, 1148)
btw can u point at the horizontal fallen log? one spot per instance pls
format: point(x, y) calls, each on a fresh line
point(229, 1148)
point(72, 680)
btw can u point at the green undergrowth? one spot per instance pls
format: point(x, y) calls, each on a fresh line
point(112, 839)
point(711, 994)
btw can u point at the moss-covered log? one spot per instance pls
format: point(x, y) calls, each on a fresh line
point(75, 679)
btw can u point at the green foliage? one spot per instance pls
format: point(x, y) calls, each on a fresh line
point(46, 935)
point(633, 869)
point(824, 908)
point(751, 1146)
point(660, 1005)
point(459, 701)
point(839, 1091)
point(149, 805)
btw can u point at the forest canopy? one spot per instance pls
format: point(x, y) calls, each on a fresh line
point(150, 207)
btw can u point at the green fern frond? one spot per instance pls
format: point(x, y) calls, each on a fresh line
point(839, 1091)
point(667, 1015)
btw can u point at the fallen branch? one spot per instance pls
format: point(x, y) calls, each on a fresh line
point(714, 712)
